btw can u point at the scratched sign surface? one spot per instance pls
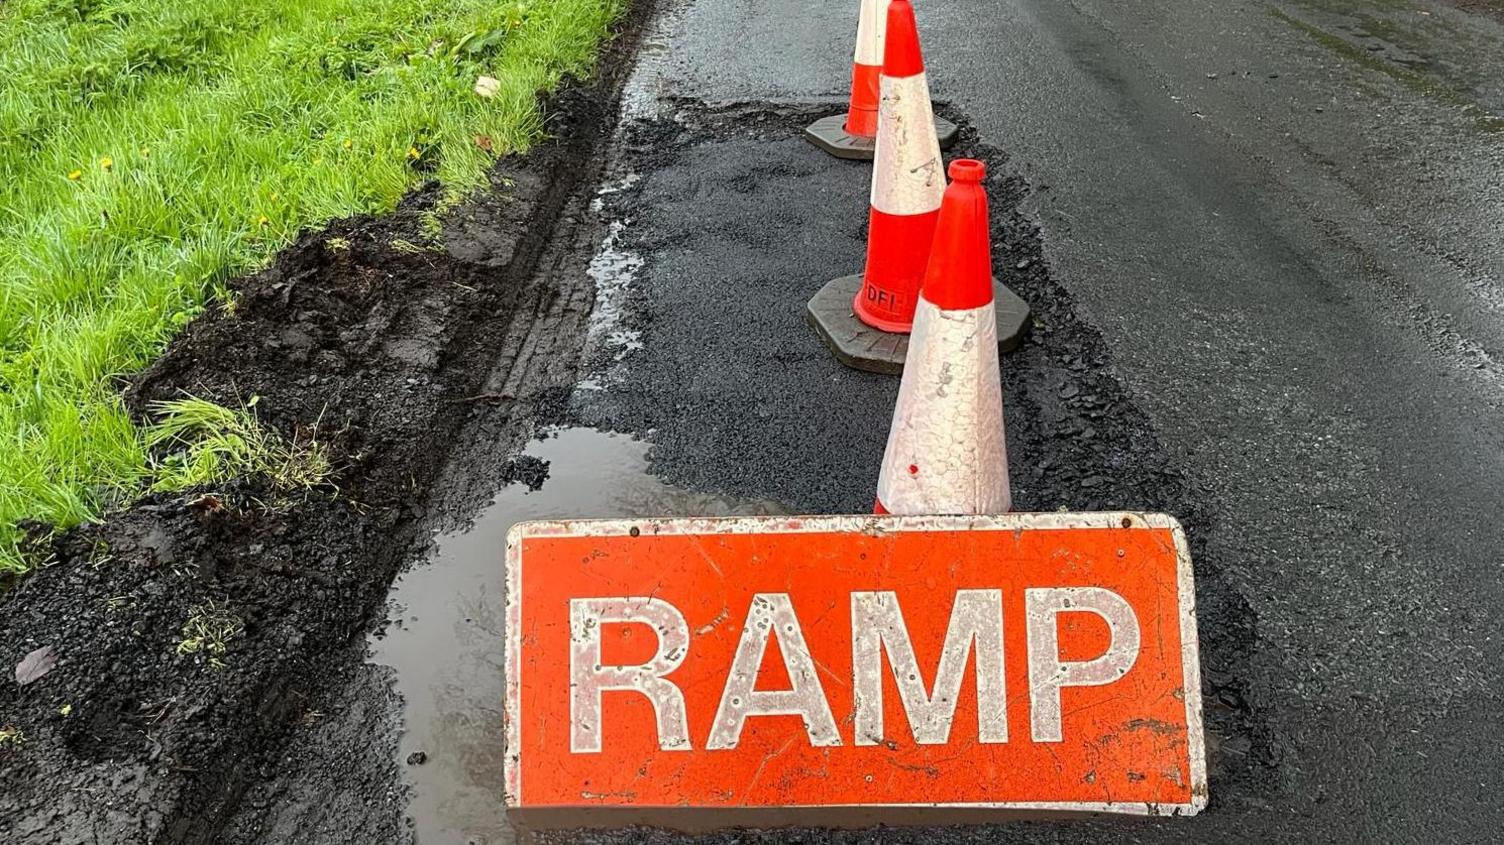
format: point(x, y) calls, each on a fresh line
point(1025, 662)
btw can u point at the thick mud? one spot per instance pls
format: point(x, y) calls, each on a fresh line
point(377, 339)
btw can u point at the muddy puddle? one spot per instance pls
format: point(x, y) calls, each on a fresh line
point(445, 640)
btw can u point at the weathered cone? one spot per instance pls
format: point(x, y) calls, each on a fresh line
point(946, 450)
point(908, 179)
point(854, 134)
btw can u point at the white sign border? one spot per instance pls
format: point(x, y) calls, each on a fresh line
point(876, 525)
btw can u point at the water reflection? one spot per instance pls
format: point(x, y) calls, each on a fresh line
point(446, 640)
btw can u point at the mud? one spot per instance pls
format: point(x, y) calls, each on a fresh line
point(376, 340)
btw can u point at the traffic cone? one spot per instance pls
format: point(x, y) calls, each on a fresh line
point(866, 67)
point(854, 134)
point(908, 180)
point(865, 319)
point(946, 452)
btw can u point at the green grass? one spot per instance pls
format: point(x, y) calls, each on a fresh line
point(208, 631)
point(152, 150)
point(203, 443)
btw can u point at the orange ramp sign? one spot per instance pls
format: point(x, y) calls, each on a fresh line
point(840, 670)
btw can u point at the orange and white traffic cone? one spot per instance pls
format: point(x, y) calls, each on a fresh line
point(865, 319)
point(946, 450)
point(908, 180)
point(854, 134)
point(866, 67)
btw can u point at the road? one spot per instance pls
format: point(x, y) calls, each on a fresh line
point(1285, 221)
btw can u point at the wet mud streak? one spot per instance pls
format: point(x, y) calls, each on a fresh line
point(741, 222)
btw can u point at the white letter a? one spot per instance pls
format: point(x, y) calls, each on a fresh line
point(772, 613)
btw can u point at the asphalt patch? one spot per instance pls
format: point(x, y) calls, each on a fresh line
point(739, 222)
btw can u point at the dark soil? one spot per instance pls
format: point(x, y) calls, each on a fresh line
point(376, 349)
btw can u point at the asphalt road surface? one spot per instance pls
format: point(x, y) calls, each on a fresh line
point(1287, 221)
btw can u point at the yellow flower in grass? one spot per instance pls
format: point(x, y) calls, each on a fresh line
point(263, 220)
point(413, 154)
point(106, 162)
point(75, 175)
point(349, 143)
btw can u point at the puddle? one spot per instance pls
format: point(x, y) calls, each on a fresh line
point(642, 96)
point(613, 269)
point(446, 637)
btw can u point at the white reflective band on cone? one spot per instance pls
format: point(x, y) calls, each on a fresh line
point(870, 26)
point(946, 452)
point(908, 176)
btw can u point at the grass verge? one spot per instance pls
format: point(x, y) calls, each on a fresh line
point(150, 151)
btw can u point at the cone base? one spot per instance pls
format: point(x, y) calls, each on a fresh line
point(830, 135)
point(861, 347)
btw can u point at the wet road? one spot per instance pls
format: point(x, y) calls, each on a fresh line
point(1286, 220)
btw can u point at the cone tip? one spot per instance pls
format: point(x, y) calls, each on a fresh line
point(959, 274)
point(967, 170)
point(901, 53)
